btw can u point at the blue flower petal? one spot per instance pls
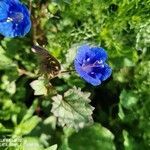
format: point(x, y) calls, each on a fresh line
point(3, 10)
point(6, 29)
point(90, 64)
point(85, 76)
point(106, 72)
point(100, 53)
point(14, 18)
point(82, 51)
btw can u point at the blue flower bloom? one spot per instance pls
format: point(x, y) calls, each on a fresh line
point(90, 64)
point(14, 18)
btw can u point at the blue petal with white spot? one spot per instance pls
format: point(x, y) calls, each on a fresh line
point(90, 64)
point(14, 18)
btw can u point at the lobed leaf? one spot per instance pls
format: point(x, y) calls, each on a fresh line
point(73, 108)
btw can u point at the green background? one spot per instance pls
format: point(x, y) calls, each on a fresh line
point(71, 114)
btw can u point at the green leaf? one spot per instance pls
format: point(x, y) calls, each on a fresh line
point(53, 147)
point(121, 113)
point(128, 141)
point(128, 98)
point(51, 121)
point(39, 87)
point(4, 61)
point(94, 137)
point(73, 109)
point(131, 143)
point(8, 108)
point(31, 143)
point(28, 122)
point(142, 76)
point(67, 133)
point(30, 111)
point(27, 126)
point(53, 7)
point(70, 56)
point(143, 38)
point(9, 86)
point(3, 129)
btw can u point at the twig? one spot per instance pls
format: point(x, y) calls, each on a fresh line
point(30, 6)
point(67, 71)
point(24, 72)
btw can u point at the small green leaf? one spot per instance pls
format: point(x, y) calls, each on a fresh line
point(70, 56)
point(53, 7)
point(143, 38)
point(28, 122)
point(121, 113)
point(53, 147)
point(94, 137)
point(9, 86)
point(4, 61)
point(131, 143)
point(3, 129)
point(51, 121)
point(73, 109)
point(142, 76)
point(128, 99)
point(31, 143)
point(128, 62)
point(30, 111)
point(8, 108)
point(27, 126)
point(39, 87)
point(128, 142)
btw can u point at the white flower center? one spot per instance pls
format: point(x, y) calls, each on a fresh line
point(88, 67)
point(15, 16)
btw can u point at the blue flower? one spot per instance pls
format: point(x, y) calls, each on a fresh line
point(14, 18)
point(90, 64)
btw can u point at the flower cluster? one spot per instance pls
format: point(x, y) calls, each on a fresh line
point(90, 64)
point(14, 18)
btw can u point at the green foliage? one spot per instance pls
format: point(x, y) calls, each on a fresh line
point(143, 38)
point(58, 114)
point(31, 142)
point(54, 147)
point(39, 87)
point(28, 122)
point(128, 99)
point(95, 135)
point(72, 109)
point(134, 108)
